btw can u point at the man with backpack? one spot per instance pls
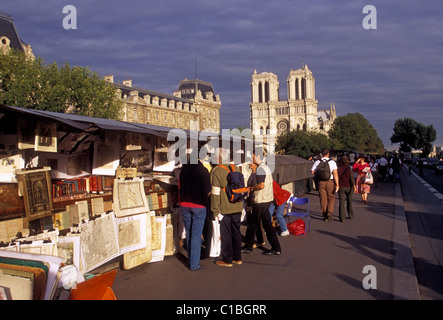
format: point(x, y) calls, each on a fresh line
point(227, 209)
point(326, 179)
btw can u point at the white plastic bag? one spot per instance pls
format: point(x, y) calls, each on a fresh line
point(215, 239)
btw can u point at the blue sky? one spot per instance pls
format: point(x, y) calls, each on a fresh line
point(391, 72)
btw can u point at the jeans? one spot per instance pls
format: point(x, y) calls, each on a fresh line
point(193, 220)
point(279, 214)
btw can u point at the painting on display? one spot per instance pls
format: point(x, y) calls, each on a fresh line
point(36, 190)
point(46, 137)
point(129, 197)
point(98, 241)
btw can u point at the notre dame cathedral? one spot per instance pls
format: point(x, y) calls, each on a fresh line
point(270, 116)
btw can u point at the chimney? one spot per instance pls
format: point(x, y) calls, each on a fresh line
point(127, 83)
point(109, 78)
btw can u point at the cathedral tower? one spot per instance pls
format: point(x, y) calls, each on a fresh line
point(271, 116)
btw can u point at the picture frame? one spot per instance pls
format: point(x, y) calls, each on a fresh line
point(129, 197)
point(46, 137)
point(35, 186)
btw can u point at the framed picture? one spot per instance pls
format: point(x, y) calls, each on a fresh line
point(35, 186)
point(143, 160)
point(46, 137)
point(129, 197)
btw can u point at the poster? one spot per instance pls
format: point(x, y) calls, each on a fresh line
point(129, 197)
point(35, 186)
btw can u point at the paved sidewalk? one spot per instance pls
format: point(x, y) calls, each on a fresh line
point(325, 264)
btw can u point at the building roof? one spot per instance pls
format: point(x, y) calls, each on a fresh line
point(127, 89)
point(189, 87)
point(7, 29)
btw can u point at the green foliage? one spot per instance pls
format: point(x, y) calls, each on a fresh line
point(355, 132)
point(304, 144)
point(413, 135)
point(29, 83)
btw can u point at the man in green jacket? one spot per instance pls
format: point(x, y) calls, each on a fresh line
point(229, 213)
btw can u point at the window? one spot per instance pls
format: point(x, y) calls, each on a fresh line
point(297, 93)
point(282, 111)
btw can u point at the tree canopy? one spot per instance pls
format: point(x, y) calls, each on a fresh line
point(30, 83)
point(413, 135)
point(355, 132)
point(303, 144)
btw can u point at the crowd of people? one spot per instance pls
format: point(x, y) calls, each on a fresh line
point(346, 180)
point(203, 198)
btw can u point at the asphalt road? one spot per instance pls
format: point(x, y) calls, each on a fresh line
point(423, 201)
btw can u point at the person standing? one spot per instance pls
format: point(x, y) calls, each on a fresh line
point(326, 185)
point(194, 190)
point(252, 181)
point(362, 167)
point(383, 168)
point(228, 212)
point(374, 171)
point(396, 165)
point(346, 182)
point(262, 199)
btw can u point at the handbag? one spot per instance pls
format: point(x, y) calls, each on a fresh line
point(369, 178)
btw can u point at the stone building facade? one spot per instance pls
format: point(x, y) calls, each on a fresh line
point(9, 38)
point(271, 116)
point(193, 106)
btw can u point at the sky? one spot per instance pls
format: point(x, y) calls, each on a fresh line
point(389, 71)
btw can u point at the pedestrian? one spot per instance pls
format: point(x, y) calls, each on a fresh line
point(346, 182)
point(252, 181)
point(374, 171)
point(326, 176)
point(362, 167)
point(396, 165)
point(228, 212)
point(383, 168)
point(263, 196)
point(194, 190)
point(281, 196)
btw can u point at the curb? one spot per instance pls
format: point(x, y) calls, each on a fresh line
point(404, 276)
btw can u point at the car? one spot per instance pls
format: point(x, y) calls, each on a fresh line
point(439, 167)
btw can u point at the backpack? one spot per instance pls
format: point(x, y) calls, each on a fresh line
point(323, 172)
point(235, 189)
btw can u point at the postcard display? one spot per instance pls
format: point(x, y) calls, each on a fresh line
point(88, 212)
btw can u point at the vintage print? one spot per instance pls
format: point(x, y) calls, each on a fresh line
point(36, 189)
point(46, 137)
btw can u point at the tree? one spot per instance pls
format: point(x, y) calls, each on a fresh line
point(29, 83)
point(413, 135)
point(303, 144)
point(355, 132)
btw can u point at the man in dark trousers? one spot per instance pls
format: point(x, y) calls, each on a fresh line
point(263, 196)
point(229, 213)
